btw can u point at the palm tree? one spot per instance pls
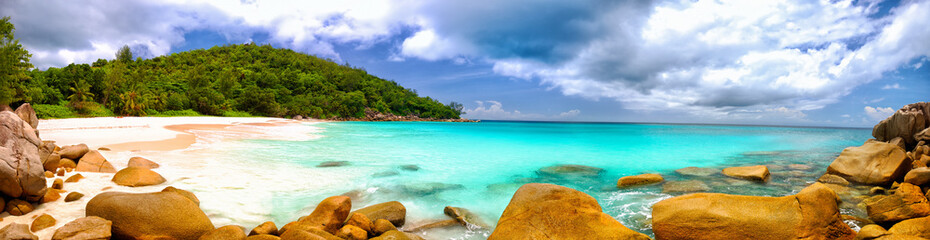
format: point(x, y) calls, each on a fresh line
point(134, 101)
point(80, 94)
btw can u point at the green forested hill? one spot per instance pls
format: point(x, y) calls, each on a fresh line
point(225, 80)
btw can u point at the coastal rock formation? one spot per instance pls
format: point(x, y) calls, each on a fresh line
point(464, 217)
point(918, 176)
point(350, 232)
point(330, 214)
point(905, 123)
point(918, 227)
point(546, 211)
point(265, 228)
point(21, 172)
point(187, 194)
point(17, 231)
point(923, 135)
point(301, 232)
point(46, 149)
point(755, 173)
point(137, 177)
point(382, 226)
point(42, 222)
point(811, 214)
point(393, 211)
point(137, 215)
point(833, 179)
point(17, 207)
point(907, 202)
point(93, 161)
point(73, 196)
point(90, 228)
point(142, 163)
point(361, 221)
point(74, 151)
point(51, 195)
point(229, 232)
point(873, 163)
point(397, 235)
point(27, 114)
point(639, 180)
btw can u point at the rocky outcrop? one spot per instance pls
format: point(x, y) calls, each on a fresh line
point(86, 228)
point(393, 211)
point(93, 161)
point(142, 163)
point(811, 214)
point(382, 226)
point(546, 211)
point(639, 180)
point(42, 222)
point(918, 176)
point(905, 123)
point(17, 207)
point(21, 171)
point(26, 113)
point(265, 228)
point(17, 231)
point(361, 221)
point(74, 151)
point(138, 215)
point(873, 163)
point(923, 135)
point(330, 214)
point(755, 173)
point(230, 232)
point(137, 177)
point(465, 218)
point(684, 186)
point(697, 171)
point(918, 227)
point(907, 202)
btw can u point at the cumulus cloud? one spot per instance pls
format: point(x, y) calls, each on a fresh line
point(494, 110)
point(891, 86)
point(878, 113)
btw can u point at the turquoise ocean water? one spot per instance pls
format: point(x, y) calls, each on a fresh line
point(478, 166)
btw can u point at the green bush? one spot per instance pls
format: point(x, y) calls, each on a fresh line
point(48, 111)
point(177, 113)
point(231, 113)
point(92, 109)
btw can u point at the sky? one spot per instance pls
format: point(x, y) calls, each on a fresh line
point(809, 63)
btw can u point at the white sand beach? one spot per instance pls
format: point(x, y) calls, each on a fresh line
point(169, 141)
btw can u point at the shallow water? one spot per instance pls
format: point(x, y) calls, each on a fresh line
point(478, 166)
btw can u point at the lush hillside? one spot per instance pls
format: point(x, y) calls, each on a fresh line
point(231, 80)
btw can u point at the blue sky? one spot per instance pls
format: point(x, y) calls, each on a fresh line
point(814, 63)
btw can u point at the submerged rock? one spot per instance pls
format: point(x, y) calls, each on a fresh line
point(811, 214)
point(546, 211)
point(332, 164)
point(387, 173)
point(697, 171)
point(410, 167)
point(833, 179)
point(571, 170)
point(429, 188)
point(465, 217)
point(873, 163)
point(685, 186)
point(639, 180)
point(755, 173)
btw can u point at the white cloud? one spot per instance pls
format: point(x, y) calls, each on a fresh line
point(494, 110)
point(874, 100)
point(845, 116)
point(878, 113)
point(891, 86)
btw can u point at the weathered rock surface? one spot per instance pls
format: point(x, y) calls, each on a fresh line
point(697, 171)
point(639, 180)
point(393, 211)
point(265, 228)
point(361, 221)
point(905, 123)
point(382, 226)
point(85, 228)
point(18, 207)
point(137, 177)
point(21, 171)
point(17, 231)
point(546, 211)
point(263, 237)
point(350, 232)
point(73, 196)
point(42, 222)
point(74, 151)
point(873, 163)
point(187, 194)
point(833, 179)
point(918, 176)
point(27, 114)
point(684, 186)
point(907, 202)
point(330, 214)
point(142, 163)
point(229, 232)
point(51, 195)
point(332, 164)
point(871, 231)
point(74, 178)
point(811, 214)
point(397, 235)
point(755, 173)
point(66, 163)
point(93, 161)
point(135, 215)
point(923, 135)
point(465, 218)
point(919, 227)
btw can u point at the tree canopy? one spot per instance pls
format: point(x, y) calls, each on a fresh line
point(14, 62)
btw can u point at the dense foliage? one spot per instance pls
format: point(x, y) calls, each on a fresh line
point(232, 80)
